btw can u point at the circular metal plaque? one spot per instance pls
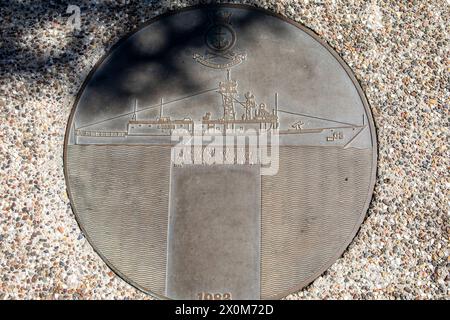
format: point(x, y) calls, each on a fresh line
point(220, 152)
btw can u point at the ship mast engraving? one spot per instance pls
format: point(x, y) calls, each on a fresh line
point(228, 90)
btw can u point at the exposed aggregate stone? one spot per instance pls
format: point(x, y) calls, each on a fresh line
point(399, 52)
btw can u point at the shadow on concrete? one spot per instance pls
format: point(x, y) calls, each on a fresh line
point(28, 44)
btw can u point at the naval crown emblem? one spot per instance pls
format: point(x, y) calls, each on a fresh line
point(220, 39)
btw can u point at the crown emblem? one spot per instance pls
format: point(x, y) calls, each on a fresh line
point(220, 17)
point(220, 38)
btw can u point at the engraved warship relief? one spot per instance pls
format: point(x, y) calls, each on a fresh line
point(220, 153)
point(240, 112)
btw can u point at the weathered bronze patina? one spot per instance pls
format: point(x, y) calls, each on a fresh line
point(205, 222)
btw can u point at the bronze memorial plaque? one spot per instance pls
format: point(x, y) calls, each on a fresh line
point(220, 152)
